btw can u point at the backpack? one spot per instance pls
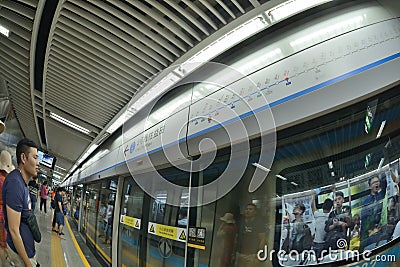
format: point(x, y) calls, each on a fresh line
point(304, 241)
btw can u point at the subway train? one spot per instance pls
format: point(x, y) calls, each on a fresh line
point(232, 166)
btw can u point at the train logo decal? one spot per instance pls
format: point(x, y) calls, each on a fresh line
point(132, 148)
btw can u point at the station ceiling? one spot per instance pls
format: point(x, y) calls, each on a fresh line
point(85, 60)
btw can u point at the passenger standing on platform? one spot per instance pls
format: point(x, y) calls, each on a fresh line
point(34, 191)
point(5, 167)
point(251, 237)
point(43, 197)
point(17, 203)
point(59, 210)
point(53, 206)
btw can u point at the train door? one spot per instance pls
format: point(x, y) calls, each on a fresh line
point(166, 230)
point(91, 211)
point(83, 219)
point(131, 224)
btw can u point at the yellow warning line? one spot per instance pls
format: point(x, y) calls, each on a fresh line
point(196, 246)
point(57, 258)
point(78, 248)
point(99, 249)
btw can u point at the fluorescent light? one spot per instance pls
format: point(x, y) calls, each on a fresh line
point(245, 66)
point(69, 123)
point(289, 8)
point(330, 164)
point(381, 129)
point(293, 183)
point(281, 177)
point(229, 40)
point(87, 153)
point(327, 32)
point(58, 167)
point(4, 31)
point(261, 167)
point(381, 163)
point(332, 174)
point(58, 172)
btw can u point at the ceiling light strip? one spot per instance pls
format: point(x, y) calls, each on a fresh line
point(69, 123)
point(4, 31)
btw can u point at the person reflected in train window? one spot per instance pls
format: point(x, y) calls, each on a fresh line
point(338, 223)
point(102, 216)
point(182, 217)
point(320, 220)
point(251, 237)
point(109, 221)
point(227, 233)
point(371, 212)
point(16, 202)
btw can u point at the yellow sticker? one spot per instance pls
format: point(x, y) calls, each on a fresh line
point(182, 236)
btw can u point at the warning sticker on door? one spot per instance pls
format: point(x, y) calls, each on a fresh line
point(166, 231)
point(130, 221)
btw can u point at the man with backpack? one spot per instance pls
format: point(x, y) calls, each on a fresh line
point(300, 233)
point(338, 223)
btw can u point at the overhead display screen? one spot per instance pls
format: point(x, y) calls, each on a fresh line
point(46, 159)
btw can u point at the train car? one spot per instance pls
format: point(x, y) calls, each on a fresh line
point(232, 167)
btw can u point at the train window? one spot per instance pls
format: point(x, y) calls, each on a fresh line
point(339, 195)
point(158, 206)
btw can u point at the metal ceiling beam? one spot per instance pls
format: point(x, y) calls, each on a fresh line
point(159, 18)
point(105, 46)
point(63, 41)
point(226, 8)
point(213, 10)
point(200, 13)
point(15, 29)
point(140, 27)
point(19, 20)
point(113, 33)
point(115, 25)
point(188, 16)
point(19, 9)
point(176, 19)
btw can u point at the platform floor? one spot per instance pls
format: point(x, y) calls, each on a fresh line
point(53, 251)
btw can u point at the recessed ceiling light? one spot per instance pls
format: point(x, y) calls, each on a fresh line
point(69, 123)
point(4, 31)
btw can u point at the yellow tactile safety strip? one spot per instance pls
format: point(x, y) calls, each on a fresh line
point(97, 246)
point(124, 251)
point(78, 248)
point(57, 258)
